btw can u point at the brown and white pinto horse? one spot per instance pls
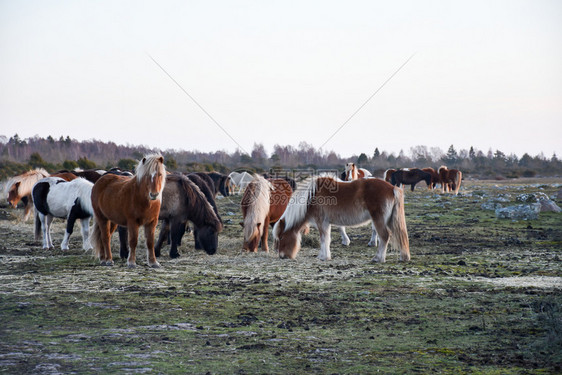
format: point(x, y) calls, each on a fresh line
point(326, 201)
point(353, 173)
point(450, 179)
point(129, 202)
point(263, 203)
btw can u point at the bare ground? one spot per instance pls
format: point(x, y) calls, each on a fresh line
point(481, 295)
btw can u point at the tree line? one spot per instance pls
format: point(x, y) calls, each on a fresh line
point(18, 155)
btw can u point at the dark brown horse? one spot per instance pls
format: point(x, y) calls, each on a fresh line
point(410, 177)
point(388, 174)
point(262, 205)
point(183, 201)
point(222, 183)
point(434, 176)
point(129, 202)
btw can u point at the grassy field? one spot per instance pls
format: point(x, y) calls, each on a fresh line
point(480, 295)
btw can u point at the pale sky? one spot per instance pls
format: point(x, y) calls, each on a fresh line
point(486, 74)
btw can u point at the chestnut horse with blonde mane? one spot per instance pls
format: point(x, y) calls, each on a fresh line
point(450, 179)
point(263, 203)
point(326, 201)
point(19, 187)
point(129, 202)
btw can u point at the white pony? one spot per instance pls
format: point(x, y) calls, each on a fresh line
point(55, 197)
point(240, 180)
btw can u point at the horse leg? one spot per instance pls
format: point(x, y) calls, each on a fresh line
point(374, 238)
point(85, 225)
point(43, 221)
point(27, 207)
point(164, 233)
point(265, 234)
point(198, 245)
point(413, 186)
point(325, 237)
point(69, 229)
point(149, 230)
point(133, 230)
point(384, 235)
point(105, 237)
point(123, 246)
point(345, 241)
point(177, 229)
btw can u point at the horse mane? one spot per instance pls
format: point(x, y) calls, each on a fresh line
point(256, 201)
point(26, 180)
point(443, 167)
point(298, 205)
point(149, 166)
point(199, 206)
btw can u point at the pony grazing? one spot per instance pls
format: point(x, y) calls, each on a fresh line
point(129, 202)
point(262, 205)
point(183, 201)
point(222, 183)
point(410, 177)
point(19, 188)
point(326, 201)
point(450, 179)
point(55, 197)
point(353, 173)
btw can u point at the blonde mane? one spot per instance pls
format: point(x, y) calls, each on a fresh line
point(256, 198)
point(26, 180)
point(298, 205)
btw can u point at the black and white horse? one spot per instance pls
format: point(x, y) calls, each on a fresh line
point(70, 200)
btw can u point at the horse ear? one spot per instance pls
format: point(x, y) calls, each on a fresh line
point(259, 224)
point(17, 184)
point(161, 159)
point(143, 160)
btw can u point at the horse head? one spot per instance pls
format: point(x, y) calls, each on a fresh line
point(207, 237)
point(13, 195)
point(152, 169)
point(287, 242)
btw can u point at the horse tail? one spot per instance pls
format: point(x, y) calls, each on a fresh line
point(95, 239)
point(37, 227)
point(459, 179)
point(397, 226)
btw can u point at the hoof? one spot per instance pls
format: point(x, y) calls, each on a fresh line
point(377, 260)
point(155, 265)
point(131, 265)
point(107, 263)
point(174, 255)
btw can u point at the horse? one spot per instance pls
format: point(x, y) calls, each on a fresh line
point(388, 174)
point(434, 176)
point(450, 179)
point(129, 202)
point(91, 175)
point(353, 173)
point(326, 201)
point(410, 177)
point(222, 183)
point(56, 197)
point(240, 180)
point(19, 188)
point(263, 203)
point(183, 201)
